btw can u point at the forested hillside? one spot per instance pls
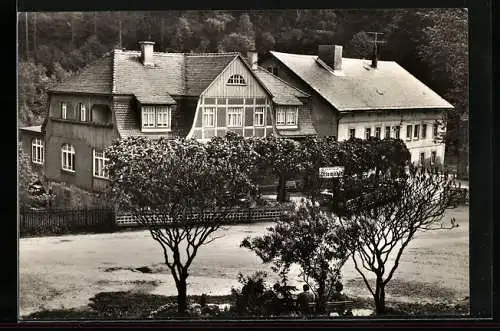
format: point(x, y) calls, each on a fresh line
point(430, 43)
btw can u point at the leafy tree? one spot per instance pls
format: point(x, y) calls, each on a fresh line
point(283, 156)
point(310, 238)
point(33, 83)
point(179, 191)
point(377, 234)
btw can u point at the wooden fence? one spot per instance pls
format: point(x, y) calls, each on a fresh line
point(247, 215)
point(61, 221)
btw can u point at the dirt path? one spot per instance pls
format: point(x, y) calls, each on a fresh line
point(64, 272)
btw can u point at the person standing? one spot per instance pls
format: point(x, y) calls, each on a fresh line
point(304, 299)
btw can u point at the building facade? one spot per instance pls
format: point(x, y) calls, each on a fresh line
point(363, 98)
point(147, 93)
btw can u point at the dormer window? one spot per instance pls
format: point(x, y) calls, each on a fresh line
point(287, 117)
point(236, 80)
point(156, 118)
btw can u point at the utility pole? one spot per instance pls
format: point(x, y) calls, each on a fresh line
point(375, 42)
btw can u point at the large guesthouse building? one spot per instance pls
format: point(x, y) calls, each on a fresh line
point(155, 94)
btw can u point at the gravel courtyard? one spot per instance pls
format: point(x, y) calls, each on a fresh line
point(65, 271)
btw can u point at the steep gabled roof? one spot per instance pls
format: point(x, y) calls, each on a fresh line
point(282, 92)
point(122, 72)
point(202, 69)
point(361, 87)
point(96, 78)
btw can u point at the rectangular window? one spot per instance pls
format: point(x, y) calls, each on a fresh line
point(100, 160)
point(83, 112)
point(209, 117)
point(280, 117)
point(148, 117)
point(37, 151)
point(387, 132)
point(397, 130)
point(234, 116)
point(435, 131)
point(352, 133)
point(416, 132)
point(258, 116)
point(163, 117)
point(156, 117)
point(433, 157)
point(64, 110)
point(378, 131)
point(408, 131)
point(275, 71)
point(68, 158)
point(422, 158)
point(368, 133)
point(424, 131)
point(291, 117)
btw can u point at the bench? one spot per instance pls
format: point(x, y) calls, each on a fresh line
point(343, 308)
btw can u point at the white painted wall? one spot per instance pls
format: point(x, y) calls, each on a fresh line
point(362, 120)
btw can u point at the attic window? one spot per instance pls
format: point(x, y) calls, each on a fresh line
point(236, 80)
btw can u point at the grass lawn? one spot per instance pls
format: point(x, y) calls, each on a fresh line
point(64, 272)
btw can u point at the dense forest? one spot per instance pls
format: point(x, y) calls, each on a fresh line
point(432, 44)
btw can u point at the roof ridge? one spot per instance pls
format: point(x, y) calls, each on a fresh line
point(179, 53)
point(283, 81)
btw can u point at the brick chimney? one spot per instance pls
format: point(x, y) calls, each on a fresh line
point(253, 59)
point(331, 55)
point(147, 48)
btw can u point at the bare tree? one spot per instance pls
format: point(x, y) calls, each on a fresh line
point(379, 233)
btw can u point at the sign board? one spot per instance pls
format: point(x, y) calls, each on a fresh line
point(331, 172)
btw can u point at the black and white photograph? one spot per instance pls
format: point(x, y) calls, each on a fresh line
point(292, 164)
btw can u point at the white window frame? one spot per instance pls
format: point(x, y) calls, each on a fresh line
point(368, 133)
point(387, 133)
point(379, 130)
point(37, 150)
point(83, 112)
point(353, 131)
point(234, 117)
point(163, 117)
point(99, 160)
point(68, 158)
point(148, 117)
point(287, 118)
point(397, 131)
point(280, 117)
point(258, 117)
point(64, 110)
point(156, 118)
point(209, 116)
point(416, 132)
point(236, 79)
point(409, 131)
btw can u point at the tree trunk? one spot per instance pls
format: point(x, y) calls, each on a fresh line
point(321, 300)
point(181, 295)
point(120, 30)
point(281, 196)
point(379, 296)
point(34, 36)
point(26, 35)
